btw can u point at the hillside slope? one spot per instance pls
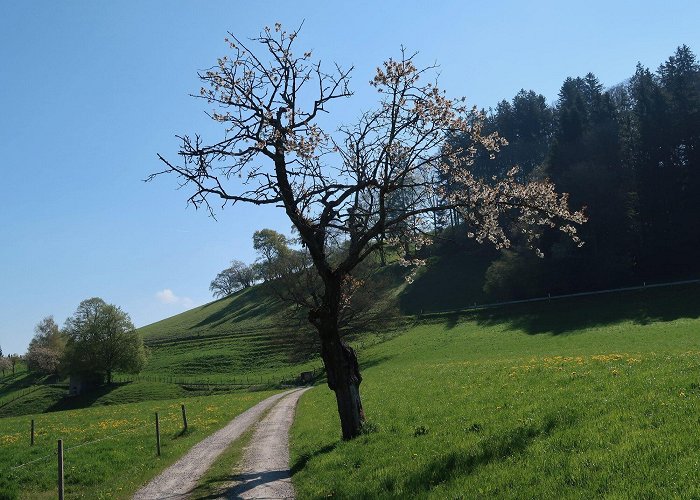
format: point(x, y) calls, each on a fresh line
point(249, 333)
point(588, 397)
point(253, 333)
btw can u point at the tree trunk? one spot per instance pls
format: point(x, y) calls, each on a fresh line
point(342, 369)
point(344, 379)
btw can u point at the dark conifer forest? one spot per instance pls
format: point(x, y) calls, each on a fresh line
point(630, 154)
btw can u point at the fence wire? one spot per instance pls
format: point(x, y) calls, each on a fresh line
point(67, 449)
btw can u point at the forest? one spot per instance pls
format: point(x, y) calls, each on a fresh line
point(629, 154)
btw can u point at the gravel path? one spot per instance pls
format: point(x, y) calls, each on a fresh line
point(179, 479)
point(265, 472)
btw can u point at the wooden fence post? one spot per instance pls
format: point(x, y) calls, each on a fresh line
point(157, 434)
point(184, 417)
point(32, 438)
point(60, 469)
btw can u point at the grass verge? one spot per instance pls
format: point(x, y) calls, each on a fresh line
point(579, 399)
point(109, 450)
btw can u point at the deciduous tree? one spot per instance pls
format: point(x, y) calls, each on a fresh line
point(4, 364)
point(102, 339)
point(235, 277)
point(46, 348)
point(276, 258)
point(14, 359)
point(335, 188)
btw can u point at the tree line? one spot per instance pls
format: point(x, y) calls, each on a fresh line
point(8, 362)
point(276, 259)
point(630, 154)
point(96, 341)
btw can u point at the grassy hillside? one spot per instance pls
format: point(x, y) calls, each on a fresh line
point(587, 398)
point(590, 396)
point(254, 334)
point(26, 392)
point(109, 450)
point(447, 283)
point(251, 333)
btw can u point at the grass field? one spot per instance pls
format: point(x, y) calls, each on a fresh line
point(583, 398)
point(253, 334)
point(43, 398)
point(244, 338)
point(249, 334)
point(109, 450)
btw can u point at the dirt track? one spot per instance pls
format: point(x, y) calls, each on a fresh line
point(265, 472)
point(179, 479)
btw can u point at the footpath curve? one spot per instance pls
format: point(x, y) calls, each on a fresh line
point(265, 471)
point(178, 480)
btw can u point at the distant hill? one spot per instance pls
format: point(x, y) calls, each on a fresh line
point(253, 333)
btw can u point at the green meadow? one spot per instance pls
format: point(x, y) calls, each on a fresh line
point(579, 398)
point(110, 451)
point(249, 337)
point(576, 398)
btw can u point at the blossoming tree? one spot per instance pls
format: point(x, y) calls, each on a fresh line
point(336, 187)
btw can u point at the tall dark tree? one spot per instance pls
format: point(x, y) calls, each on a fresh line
point(680, 79)
point(666, 114)
point(527, 123)
point(586, 160)
point(651, 119)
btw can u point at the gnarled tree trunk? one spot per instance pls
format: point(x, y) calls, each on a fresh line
point(342, 368)
point(344, 379)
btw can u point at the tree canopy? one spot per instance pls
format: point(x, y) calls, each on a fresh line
point(101, 339)
point(47, 347)
point(237, 276)
point(336, 188)
point(630, 155)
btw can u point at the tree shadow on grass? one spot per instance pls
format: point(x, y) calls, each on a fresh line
point(373, 361)
point(86, 399)
point(494, 448)
point(246, 304)
point(570, 315)
point(301, 462)
point(17, 382)
point(452, 281)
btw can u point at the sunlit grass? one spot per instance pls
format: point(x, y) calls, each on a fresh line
point(96, 467)
point(241, 338)
point(508, 406)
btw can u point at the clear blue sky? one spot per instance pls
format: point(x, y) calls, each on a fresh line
point(91, 91)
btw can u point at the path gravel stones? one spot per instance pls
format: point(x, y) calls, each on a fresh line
point(265, 472)
point(179, 479)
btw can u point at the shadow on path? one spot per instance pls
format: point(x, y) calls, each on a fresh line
point(249, 481)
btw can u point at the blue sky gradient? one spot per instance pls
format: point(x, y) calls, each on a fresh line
point(91, 91)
